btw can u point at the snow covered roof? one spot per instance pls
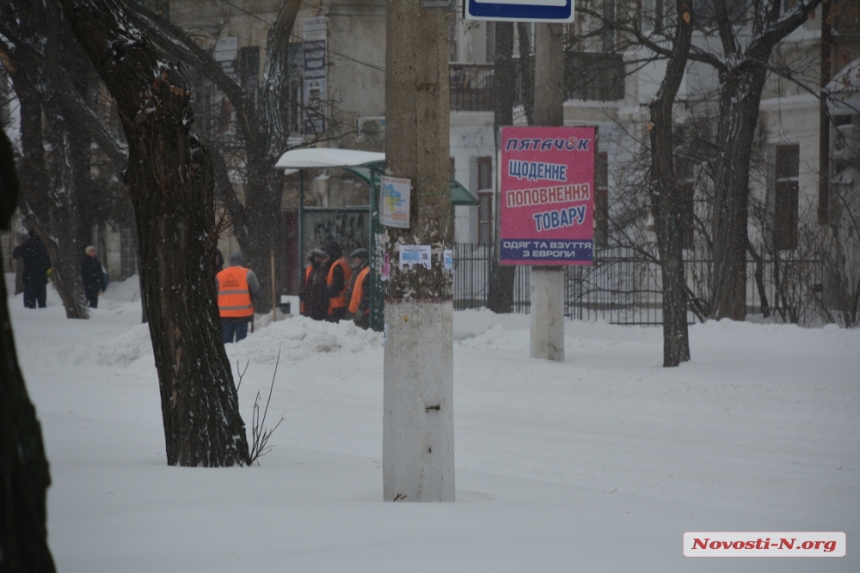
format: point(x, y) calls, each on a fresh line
point(326, 157)
point(320, 157)
point(847, 80)
point(844, 90)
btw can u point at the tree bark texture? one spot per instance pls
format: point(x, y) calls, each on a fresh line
point(742, 78)
point(500, 296)
point(24, 473)
point(665, 202)
point(170, 183)
point(418, 427)
point(526, 64)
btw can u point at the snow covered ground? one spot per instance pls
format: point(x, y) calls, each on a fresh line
point(599, 463)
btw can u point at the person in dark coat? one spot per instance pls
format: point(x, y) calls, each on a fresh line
point(92, 276)
point(219, 261)
point(312, 292)
point(36, 265)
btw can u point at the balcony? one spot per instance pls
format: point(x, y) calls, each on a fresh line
point(471, 87)
point(588, 76)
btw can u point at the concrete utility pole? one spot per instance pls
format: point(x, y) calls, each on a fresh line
point(418, 422)
point(547, 282)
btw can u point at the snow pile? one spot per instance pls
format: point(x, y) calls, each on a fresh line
point(302, 339)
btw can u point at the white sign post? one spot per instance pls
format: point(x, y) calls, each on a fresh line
point(556, 11)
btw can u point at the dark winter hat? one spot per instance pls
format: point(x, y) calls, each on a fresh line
point(359, 254)
point(237, 259)
point(316, 253)
point(334, 251)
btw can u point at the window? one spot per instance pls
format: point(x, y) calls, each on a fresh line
point(296, 57)
point(786, 197)
point(601, 200)
point(485, 173)
point(485, 200)
point(249, 67)
point(226, 115)
point(485, 218)
point(128, 253)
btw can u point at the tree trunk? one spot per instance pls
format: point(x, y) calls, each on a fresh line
point(24, 474)
point(500, 295)
point(63, 246)
point(739, 100)
point(171, 188)
point(742, 78)
point(418, 419)
point(665, 202)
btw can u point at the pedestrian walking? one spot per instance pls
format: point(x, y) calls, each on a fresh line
point(237, 288)
point(92, 277)
point(36, 265)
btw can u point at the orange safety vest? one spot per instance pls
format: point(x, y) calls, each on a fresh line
point(358, 291)
point(338, 301)
point(234, 296)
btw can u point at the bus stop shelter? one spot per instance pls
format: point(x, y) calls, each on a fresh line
point(351, 225)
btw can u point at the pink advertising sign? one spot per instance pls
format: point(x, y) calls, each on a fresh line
point(547, 196)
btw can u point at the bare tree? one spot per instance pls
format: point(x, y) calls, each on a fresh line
point(665, 202)
point(742, 68)
point(263, 119)
point(52, 77)
point(170, 183)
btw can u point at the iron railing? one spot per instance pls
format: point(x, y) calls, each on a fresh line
point(622, 287)
point(471, 87)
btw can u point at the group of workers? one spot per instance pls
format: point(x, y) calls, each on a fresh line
point(332, 289)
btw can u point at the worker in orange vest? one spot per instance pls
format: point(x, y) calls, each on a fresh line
point(359, 289)
point(237, 286)
point(337, 282)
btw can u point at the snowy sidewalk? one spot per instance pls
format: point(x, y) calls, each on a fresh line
point(599, 463)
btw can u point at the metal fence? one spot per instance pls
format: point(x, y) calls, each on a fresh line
point(624, 288)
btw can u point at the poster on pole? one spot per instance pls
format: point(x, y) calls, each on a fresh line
point(394, 201)
point(547, 196)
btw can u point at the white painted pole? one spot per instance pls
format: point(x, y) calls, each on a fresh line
point(547, 313)
point(418, 420)
point(547, 283)
point(418, 434)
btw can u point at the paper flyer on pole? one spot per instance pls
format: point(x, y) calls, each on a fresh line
point(411, 255)
point(394, 201)
point(547, 196)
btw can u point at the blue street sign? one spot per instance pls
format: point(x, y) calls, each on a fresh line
point(559, 11)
